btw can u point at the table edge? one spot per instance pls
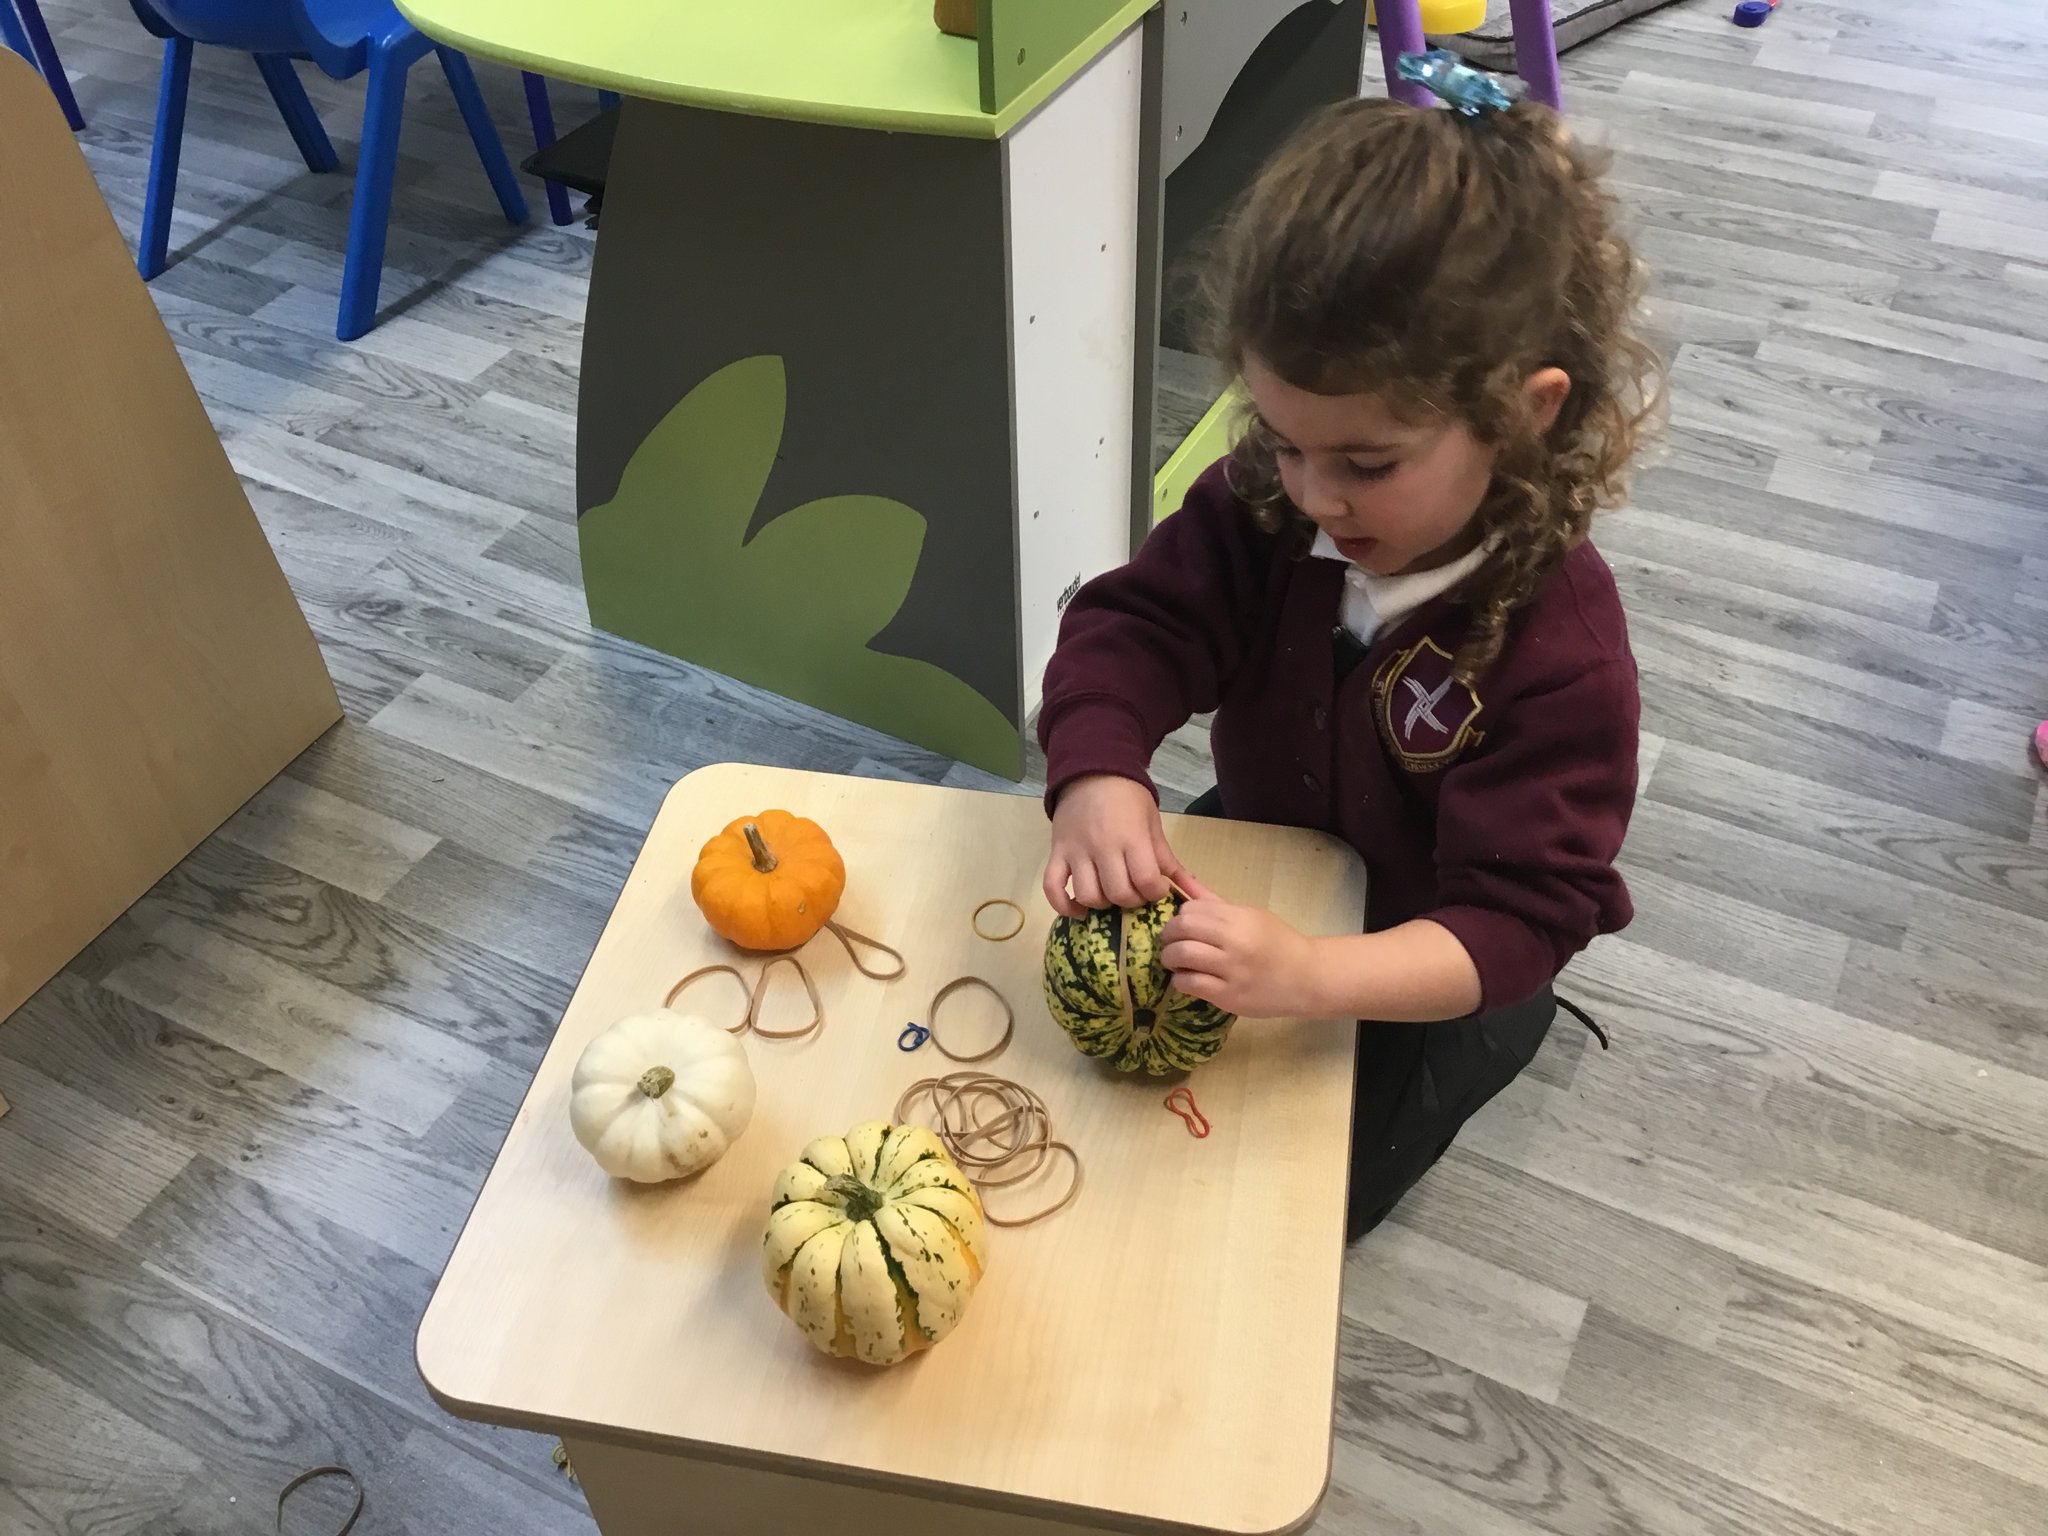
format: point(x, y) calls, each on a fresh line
point(839, 1474)
point(965, 123)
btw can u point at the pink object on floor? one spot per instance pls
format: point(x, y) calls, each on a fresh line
point(2041, 743)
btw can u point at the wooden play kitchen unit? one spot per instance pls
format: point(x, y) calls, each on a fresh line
point(868, 374)
point(1160, 1355)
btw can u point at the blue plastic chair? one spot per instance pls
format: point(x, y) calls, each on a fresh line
point(344, 38)
point(23, 29)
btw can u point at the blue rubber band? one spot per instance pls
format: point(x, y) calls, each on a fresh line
point(915, 1034)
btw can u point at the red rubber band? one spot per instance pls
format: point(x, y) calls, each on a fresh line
point(1182, 1102)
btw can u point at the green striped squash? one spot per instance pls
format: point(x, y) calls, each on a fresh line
point(1163, 1031)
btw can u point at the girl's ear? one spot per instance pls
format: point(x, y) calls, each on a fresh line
point(1547, 390)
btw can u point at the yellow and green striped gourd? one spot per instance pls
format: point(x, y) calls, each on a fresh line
point(1091, 961)
point(875, 1242)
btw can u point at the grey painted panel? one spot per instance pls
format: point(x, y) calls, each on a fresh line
point(872, 263)
point(1207, 43)
point(1306, 62)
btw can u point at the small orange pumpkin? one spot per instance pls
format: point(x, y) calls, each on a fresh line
point(770, 881)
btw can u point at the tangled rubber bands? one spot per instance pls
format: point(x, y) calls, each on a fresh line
point(756, 992)
point(999, 1132)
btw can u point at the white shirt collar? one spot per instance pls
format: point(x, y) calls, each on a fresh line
point(1411, 591)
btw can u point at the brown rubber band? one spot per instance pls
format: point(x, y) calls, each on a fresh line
point(997, 938)
point(746, 990)
point(1123, 976)
point(756, 993)
point(306, 1477)
point(761, 993)
point(989, 1125)
point(932, 1021)
point(757, 990)
point(849, 938)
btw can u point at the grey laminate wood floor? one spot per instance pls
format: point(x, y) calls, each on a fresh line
point(1779, 1264)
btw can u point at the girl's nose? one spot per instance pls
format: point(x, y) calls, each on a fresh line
point(1321, 498)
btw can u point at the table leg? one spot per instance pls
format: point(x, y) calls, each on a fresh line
point(1536, 50)
point(634, 1492)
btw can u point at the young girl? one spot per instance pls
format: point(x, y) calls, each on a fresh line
point(1387, 597)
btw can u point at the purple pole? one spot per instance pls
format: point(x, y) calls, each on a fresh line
point(1400, 24)
point(1536, 51)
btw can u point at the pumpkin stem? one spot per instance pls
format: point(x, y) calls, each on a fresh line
point(861, 1202)
point(764, 861)
point(656, 1081)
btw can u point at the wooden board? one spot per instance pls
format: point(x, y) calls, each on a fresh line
point(1073, 181)
point(1193, 1283)
point(155, 670)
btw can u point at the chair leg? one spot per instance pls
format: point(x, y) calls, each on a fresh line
point(11, 32)
point(154, 247)
point(297, 111)
point(543, 114)
point(489, 148)
point(45, 52)
point(376, 167)
point(1536, 51)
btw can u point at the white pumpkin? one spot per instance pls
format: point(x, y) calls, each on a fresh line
point(875, 1242)
point(661, 1096)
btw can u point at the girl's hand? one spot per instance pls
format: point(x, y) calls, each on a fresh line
point(1108, 845)
point(1242, 959)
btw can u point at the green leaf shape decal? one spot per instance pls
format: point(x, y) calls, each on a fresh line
point(666, 562)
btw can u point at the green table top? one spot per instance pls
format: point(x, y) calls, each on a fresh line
point(866, 63)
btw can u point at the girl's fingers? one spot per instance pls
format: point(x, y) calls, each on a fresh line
point(1195, 984)
point(1087, 889)
point(1198, 920)
point(1169, 862)
point(1147, 879)
point(1194, 887)
point(1056, 873)
point(1194, 956)
point(1116, 882)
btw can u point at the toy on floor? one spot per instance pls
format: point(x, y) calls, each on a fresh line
point(1444, 18)
point(1754, 13)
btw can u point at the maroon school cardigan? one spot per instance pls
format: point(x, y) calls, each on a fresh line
point(1496, 812)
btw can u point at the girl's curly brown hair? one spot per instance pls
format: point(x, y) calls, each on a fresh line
point(1437, 261)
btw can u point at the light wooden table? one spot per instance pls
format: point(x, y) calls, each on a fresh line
point(1162, 1354)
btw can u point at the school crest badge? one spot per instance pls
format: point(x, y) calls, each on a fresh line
point(1425, 715)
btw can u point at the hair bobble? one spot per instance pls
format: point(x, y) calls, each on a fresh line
point(1469, 92)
